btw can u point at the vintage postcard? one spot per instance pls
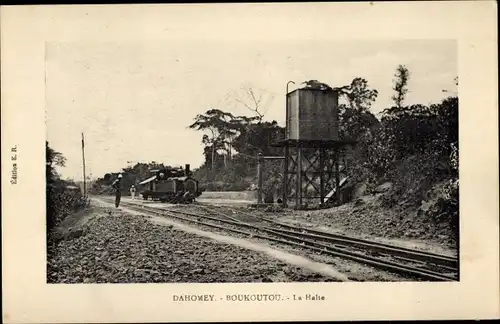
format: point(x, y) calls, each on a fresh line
point(249, 162)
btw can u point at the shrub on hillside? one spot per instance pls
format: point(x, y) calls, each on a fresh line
point(441, 207)
point(61, 202)
point(412, 178)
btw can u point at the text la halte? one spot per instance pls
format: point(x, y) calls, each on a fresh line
point(13, 172)
point(309, 297)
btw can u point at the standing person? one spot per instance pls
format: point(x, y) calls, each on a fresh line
point(117, 186)
point(132, 192)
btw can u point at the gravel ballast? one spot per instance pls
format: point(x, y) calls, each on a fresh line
point(115, 247)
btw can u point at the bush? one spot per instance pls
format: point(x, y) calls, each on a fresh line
point(61, 202)
point(442, 206)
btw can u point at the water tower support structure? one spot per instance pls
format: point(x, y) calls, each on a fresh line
point(311, 148)
point(311, 172)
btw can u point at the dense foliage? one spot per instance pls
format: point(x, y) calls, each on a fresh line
point(63, 197)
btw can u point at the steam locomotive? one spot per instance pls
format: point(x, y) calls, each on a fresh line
point(172, 185)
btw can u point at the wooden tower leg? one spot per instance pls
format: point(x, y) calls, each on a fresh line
point(298, 189)
point(337, 177)
point(285, 177)
point(322, 176)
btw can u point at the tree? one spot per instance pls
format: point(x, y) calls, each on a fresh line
point(237, 126)
point(52, 159)
point(58, 202)
point(354, 123)
point(402, 76)
point(216, 122)
point(258, 137)
point(213, 145)
point(447, 124)
point(359, 95)
point(255, 100)
point(355, 118)
point(223, 128)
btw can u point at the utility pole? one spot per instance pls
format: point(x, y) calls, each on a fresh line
point(84, 177)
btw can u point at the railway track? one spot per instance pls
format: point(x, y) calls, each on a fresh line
point(444, 261)
point(406, 262)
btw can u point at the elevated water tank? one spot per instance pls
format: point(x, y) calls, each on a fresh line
point(312, 115)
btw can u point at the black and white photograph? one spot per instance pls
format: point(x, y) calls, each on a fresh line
point(246, 162)
point(227, 162)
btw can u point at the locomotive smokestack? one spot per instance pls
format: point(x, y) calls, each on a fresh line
point(187, 170)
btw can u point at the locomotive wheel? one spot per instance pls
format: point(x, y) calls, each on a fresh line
point(145, 197)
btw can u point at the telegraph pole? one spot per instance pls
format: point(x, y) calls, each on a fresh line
point(84, 178)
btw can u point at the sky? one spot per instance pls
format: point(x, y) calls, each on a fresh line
point(134, 100)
